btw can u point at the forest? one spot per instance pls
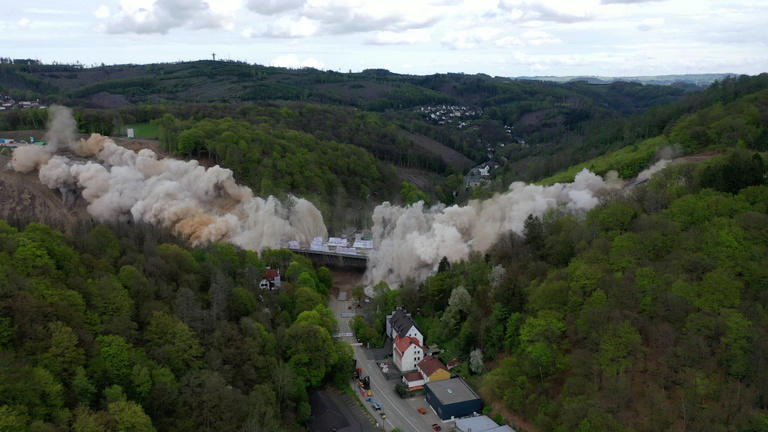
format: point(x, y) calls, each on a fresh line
point(124, 328)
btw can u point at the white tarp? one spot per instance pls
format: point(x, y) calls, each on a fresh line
point(337, 241)
point(363, 244)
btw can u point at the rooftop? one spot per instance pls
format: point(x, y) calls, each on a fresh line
point(413, 376)
point(430, 365)
point(402, 343)
point(476, 424)
point(452, 391)
point(401, 321)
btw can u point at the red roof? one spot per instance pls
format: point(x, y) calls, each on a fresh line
point(431, 365)
point(412, 376)
point(402, 343)
point(271, 274)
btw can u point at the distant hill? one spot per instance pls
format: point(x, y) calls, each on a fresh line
point(701, 80)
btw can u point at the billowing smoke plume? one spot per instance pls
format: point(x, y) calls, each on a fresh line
point(61, 131)
point(61, 127)
point(412, 240)
point(201, 204)
point(653, 169)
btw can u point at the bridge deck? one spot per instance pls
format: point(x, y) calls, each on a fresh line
point(334, 259)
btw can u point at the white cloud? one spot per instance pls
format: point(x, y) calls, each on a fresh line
point(270, 7)
point(528, 38)
point(651, 24)
point(294, 62)
point(102, 12)
point(160, 16)
point(627, 1)
point(287, 27)
point(24, 23)
point(406, 37)
point(539, 37)
point(559, 11)
point(467, 39)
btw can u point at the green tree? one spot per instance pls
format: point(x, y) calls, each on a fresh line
point(130, 417)
point(619, 347)
point(310, 351)
point(173, 343)
point(64, 355)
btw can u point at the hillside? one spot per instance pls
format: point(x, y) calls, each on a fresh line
point(518, 120)
point(121, 328)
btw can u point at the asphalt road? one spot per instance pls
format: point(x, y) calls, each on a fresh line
point(401, 413)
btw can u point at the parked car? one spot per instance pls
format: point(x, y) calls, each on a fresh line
point(421, 410)
point(436, 427)
point(383, 415)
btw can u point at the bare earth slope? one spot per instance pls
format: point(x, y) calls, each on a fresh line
point(23, 197)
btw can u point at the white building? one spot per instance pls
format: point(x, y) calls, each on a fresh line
point(406, 353)
point(400, 323)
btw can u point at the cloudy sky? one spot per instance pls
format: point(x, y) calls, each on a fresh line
point(497, 37)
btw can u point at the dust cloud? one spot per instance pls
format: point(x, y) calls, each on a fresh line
point(412, 240)
point(203, 205)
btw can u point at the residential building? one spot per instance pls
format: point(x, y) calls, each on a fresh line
point(400, 323)
point(271, 280)
point(432, 369)
point(413, 380)
point(406, 353)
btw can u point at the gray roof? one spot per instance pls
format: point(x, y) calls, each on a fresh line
point(481, 424)
point(452, 391)
point(401, 321)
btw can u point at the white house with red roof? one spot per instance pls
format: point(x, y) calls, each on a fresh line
point(271, 280)
point(407, 352)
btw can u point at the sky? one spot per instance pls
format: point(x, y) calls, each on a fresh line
point(496, 37)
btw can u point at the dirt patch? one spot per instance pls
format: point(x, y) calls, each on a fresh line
point(450, 156)
point(424, 180)
point(345, 281)
point(24, 198)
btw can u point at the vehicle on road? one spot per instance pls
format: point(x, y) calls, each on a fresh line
point(421, 411)
point(436, 427)
point(383, 415)
point(376, 405)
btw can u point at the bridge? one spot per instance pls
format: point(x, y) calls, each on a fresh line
point(334, 259)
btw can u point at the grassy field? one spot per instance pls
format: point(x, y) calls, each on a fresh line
point(144, 130)
point(628, 161)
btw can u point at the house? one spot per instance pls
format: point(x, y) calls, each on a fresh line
point(400, 323)
point(432, 369)
point(480, 424)
point(452, 398)
point(406, 353)
point(271, 280)
point(413, 380)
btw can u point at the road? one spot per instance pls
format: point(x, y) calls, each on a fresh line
point(401, 413)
